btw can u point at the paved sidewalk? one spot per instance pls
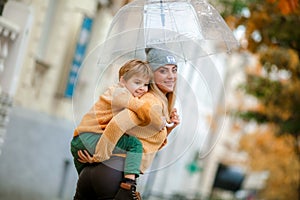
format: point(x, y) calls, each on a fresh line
point(34, 156)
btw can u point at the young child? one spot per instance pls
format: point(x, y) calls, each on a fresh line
point(134, 79)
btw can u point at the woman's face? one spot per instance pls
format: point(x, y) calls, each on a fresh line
point(165, 78)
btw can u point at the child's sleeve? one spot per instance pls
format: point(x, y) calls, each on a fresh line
point(118, 125)
point(148, 112)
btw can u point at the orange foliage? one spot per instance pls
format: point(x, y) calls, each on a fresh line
point(286, 6)
point(294, 59)
point(231, 21)
point(255, 69)
point(275, 154)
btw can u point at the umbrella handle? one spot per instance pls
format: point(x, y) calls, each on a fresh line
point(169, 125)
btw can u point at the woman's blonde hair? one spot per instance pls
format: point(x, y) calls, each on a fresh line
point(167, 99)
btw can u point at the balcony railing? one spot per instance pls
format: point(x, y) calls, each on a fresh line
point(8, 33)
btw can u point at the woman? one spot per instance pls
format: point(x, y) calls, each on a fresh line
point(102, 180)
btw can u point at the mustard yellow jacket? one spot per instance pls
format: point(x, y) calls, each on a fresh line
point(117, 112)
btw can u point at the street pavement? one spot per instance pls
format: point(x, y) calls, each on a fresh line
point(35, 159)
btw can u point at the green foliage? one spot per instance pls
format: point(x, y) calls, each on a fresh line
point(290, 36)
point(262, 88)
point(252, 115)
point(290, 125)
point(232, 7)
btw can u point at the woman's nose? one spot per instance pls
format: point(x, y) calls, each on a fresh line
point(171, 74)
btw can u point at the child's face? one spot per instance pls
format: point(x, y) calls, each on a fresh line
point(137, 85)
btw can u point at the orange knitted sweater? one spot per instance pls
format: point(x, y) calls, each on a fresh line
point(118, 112)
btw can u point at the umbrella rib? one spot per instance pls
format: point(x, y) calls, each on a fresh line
point(172, 17)
point(162, 14)
point(139, 35)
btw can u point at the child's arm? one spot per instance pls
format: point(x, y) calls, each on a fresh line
point(138, 113)
point(146, 111)
point(118, 125)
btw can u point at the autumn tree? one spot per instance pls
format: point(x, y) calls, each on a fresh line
point(272, 34)
point(276, 155)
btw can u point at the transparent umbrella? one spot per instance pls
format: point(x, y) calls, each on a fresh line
point(194, 31)
point(190, 28)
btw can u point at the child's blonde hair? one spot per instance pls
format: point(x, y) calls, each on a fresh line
point(135, 67)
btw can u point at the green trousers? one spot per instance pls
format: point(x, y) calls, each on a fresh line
point(126, 144)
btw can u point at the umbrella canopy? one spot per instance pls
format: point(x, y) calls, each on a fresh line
point(194, 31)
point(190, 28)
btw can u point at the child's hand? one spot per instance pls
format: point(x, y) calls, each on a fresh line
point(85, 157)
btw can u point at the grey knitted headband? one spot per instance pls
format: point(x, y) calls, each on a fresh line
point(159, 57)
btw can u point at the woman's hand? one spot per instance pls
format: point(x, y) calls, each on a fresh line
point(85, 157)
point(174, 117)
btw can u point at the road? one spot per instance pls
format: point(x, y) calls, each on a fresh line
point(35, 162)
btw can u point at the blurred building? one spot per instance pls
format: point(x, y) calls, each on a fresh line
point(41, 42)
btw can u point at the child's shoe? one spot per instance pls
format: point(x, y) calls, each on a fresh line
point(128, 191)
